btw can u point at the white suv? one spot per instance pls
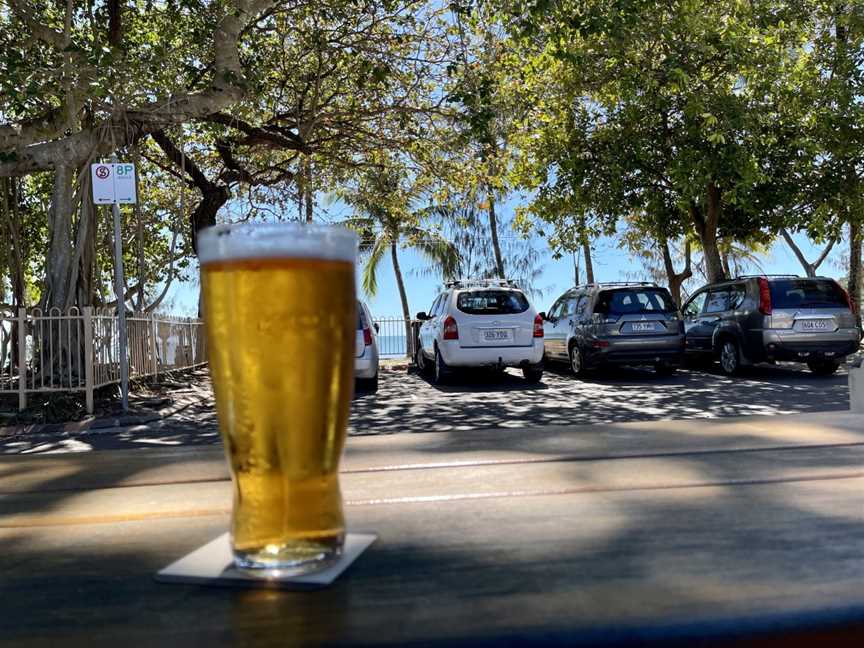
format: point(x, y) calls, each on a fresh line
point(488, 323)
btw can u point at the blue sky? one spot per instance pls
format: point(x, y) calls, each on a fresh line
point(610, 264)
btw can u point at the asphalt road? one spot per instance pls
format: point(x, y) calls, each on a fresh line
point(410, 403)
point(407, 402)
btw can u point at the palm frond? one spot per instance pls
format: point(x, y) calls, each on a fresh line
point(365, 228)
point(369, 277)
point(434, 248)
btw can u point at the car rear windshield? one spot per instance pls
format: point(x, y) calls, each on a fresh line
point(492, 302)
point(625, 301)
point(806, 293)
point(360, 317)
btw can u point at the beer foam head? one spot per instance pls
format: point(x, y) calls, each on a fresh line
point(276, 240)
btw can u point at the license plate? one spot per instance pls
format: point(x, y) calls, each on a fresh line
point(496, 335)
point(641, 327)
point(815, 325)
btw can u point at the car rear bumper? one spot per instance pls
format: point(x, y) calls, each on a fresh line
point(667, 350)
point(788, 345)
point(366, 366)
point(457, 356)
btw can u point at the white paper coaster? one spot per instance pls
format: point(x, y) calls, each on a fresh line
point(213, 564)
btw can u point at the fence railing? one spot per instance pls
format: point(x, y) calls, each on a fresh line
point(393, 338)
point(79, 350)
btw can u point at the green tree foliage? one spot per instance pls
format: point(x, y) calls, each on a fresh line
point(386, 197)
point(830, 177)
point(665, 110)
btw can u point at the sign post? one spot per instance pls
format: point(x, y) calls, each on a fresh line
point(112, 184)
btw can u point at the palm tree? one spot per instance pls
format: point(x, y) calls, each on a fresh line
point(386, 222)
point(463, 223)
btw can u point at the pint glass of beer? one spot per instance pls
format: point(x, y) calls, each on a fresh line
point(280, 315)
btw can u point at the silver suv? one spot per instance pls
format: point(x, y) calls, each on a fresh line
point(772, 318)
point(615, 323)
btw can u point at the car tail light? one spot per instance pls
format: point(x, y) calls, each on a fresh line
point(367, 336)
point(451, 330)
point(764, 297)
point(538, 326)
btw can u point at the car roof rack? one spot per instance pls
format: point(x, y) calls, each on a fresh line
point(597, 284)
point(766, 276)
point(481, 283)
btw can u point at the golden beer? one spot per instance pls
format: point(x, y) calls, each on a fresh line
point(281, 335)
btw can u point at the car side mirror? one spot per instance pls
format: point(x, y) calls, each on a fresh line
point(422, 316)
point(377, 326)
point(543, 317)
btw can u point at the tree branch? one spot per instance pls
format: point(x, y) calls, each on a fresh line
point(825, 253)
point(227, 88)
point(273, 136)
point(800, 255)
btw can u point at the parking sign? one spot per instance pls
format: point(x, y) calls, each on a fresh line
point(113, 183)
point(103, 183)
point(124, 183)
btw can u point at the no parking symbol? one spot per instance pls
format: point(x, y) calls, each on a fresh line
point(113, 183)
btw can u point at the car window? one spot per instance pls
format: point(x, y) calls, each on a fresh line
point(492, 302)
point(439, 305)
point(359, 317)
point(579, 306)
point(695, 305)
point(737, 294)
point(806, 293)
point(624, 301)
point(555, 310)
point(718, 301)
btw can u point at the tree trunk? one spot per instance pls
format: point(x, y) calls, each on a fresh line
point(115, 21)
point(58, 264)
point(10, 199)
point(213, 195)
point(493, 229)
point(575, 269)
point(706, 228)
point(676, 279)
point(854, 283)
point(589, 266)
point(81, 278)
point(309, 191)
point(406, 312)
point(809, 270)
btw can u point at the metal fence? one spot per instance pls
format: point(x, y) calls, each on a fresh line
point(79, 350)
point(393, 340)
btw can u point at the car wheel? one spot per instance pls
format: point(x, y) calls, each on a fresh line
point(532, 374)
point(420, 361)
point(442, 372)
point(730, 357)
point(369, 385)
point(823, 367)
point(577, 363)
point(664, 369)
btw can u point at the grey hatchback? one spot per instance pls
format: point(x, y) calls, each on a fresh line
point(593, 325)
point(772, 319)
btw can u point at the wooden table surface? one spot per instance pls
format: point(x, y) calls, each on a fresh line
point(617, 533)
